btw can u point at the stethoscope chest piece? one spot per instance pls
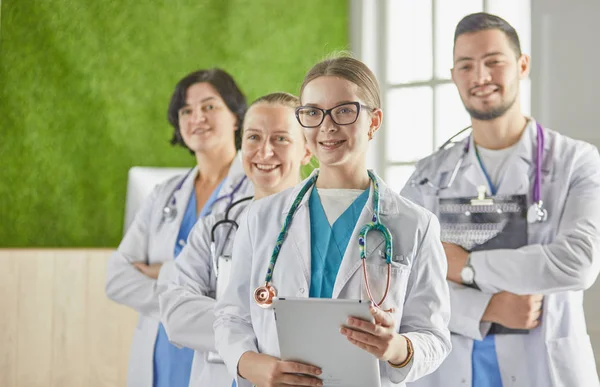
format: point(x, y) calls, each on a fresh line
point(169, 213)
point(537, 213)
point(263, 295)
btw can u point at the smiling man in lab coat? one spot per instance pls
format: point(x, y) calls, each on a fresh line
point(521, 254)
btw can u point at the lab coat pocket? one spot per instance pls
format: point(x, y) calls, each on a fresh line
point(377, 274)
point(572, 362)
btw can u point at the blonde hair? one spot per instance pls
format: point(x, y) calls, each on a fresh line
point(344, 66)
point(278, 98)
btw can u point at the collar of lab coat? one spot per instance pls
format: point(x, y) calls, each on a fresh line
point(384, 191)
point(235, 174)
point(520, 170)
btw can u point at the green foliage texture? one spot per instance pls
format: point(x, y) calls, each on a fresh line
point(84, 89)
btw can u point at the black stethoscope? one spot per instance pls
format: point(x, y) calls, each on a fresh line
point(169, 212)
point(226, 220)
point(536, 212)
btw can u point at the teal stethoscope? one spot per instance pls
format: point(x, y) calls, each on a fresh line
point(536, 212)
point(263, 295)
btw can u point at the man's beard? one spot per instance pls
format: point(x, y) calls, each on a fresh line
point(492, 114)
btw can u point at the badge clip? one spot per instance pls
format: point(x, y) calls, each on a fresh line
point(481, 199)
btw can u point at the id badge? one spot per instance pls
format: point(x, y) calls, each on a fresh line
point(223, 274)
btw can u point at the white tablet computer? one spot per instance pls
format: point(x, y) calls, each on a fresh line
point(309, 332)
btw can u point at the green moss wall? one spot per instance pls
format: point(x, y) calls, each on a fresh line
point(84, 88)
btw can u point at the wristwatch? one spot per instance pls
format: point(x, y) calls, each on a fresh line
point(467, 274)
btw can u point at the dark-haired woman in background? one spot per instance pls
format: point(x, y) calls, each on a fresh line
point(206, 112)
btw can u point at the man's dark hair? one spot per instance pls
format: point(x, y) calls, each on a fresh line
point(483, 21)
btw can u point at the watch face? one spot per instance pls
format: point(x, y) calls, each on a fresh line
point(467, 275)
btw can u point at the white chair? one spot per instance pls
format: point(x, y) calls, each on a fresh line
point(140, 183)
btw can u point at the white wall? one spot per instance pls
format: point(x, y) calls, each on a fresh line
point(565, 85)
point(366, 43)
point(565, 73)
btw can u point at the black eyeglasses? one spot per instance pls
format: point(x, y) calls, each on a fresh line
point(343, 114)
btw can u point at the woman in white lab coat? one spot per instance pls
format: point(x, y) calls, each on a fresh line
point(273, 149)
point(341, 113)
point(206, 112)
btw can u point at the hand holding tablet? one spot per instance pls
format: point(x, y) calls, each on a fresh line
point(379, 338)
point(309, 332)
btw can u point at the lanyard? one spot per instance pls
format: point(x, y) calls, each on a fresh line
point(493, 188)
point(537, 184)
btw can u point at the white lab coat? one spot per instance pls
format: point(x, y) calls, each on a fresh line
point(418, 290)
point(151, 240)
point(561, 260)
point(187, 306)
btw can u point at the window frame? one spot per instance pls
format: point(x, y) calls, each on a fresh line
point(368, 30)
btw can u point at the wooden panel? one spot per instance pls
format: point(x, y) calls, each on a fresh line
point(69, 352)
point(106, 320)
point(9, 286)
point(35, 297)
point(59, 328)
point(127, 324)
point(101, 330)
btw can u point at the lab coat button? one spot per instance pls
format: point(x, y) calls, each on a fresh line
point(513, 378)
point(463, 381)
point(302, 290)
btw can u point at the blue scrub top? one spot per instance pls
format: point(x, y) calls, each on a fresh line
point(486, 370)
point(329, 243)
point(172, 365)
